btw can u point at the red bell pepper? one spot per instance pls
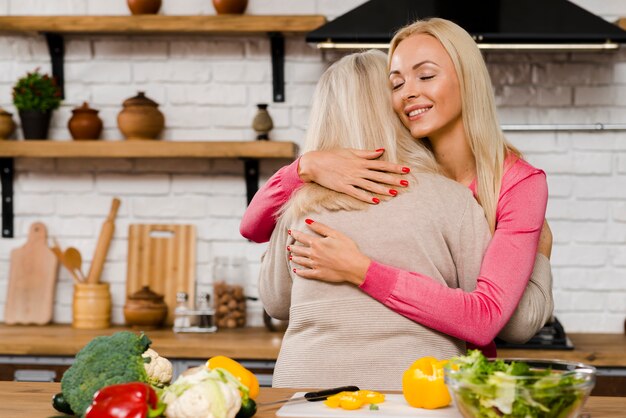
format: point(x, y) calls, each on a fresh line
point(126, 400)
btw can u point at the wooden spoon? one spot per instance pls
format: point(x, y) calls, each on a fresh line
point(74, 261)
point(56, 249)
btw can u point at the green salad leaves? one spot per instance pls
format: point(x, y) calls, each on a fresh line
point(498, 389)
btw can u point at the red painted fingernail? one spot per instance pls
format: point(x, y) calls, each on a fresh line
point(393, 192)
point(380, 150)
point(294, 270)
point(375, 200)
point(404, 182)
point(406, 169)
point(290, 258)
point(309, 221)
point(288, 248)
point(289, 231)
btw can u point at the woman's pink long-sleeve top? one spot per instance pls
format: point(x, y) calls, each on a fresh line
point(477, 316)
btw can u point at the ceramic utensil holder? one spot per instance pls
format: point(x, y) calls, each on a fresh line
point(91, 306)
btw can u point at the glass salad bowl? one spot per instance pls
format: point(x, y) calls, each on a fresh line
point(519, 388)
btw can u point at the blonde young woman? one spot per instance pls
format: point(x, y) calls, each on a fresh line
point(458, 123)
point(337, 334)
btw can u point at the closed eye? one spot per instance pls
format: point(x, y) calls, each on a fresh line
point(427, 77)
point(397, 86)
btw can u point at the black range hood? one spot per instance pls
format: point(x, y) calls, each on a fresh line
point(494, 24)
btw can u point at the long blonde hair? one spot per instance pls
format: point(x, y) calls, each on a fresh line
point(351, 108)
point(485, 137)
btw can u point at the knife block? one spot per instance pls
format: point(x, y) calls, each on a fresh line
point(91, 306)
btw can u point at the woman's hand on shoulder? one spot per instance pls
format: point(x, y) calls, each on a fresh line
point(352, 172)
point(329, 256)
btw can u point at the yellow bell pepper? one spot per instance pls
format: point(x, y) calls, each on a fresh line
point(245, 376)
point(423, 385)
point(354, 400)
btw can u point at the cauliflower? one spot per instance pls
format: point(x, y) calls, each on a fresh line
point(200, 393)
point(159, 369)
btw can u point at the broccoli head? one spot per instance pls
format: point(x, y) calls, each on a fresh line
point(102, 362)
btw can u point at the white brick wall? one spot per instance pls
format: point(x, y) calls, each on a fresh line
point(208, 88)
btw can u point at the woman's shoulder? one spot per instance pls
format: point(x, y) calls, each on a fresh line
point(518, 171)
point(439, 188)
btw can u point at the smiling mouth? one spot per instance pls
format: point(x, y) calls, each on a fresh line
point(418, 112)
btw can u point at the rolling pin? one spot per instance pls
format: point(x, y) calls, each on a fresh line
point(104, 240)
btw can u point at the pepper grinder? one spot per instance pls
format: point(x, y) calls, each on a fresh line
point(262, 123)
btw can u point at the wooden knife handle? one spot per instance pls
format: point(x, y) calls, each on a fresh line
point(104, 241)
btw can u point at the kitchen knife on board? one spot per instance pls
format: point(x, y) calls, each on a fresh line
point(312, 396)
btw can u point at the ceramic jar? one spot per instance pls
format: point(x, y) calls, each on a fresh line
point(230, 6)
point(85, 123)
point(7, 126)
point(140, 118)
point(262, 122)
point(145, 309)
point(144, 7)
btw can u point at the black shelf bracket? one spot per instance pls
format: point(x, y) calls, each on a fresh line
point(6, 179)
point(277, 43)
point(251, 174)
point(56, 47)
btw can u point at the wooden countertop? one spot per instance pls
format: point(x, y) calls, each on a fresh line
point(63, 340)
point(30, 400)
point(603, 350)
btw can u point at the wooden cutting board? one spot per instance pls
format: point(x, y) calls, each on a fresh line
point(32, 280)
point(162, 256)
point(394, 407)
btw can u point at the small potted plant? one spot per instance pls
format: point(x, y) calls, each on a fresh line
point(35, 96)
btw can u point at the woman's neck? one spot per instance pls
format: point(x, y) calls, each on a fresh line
point(454, 156)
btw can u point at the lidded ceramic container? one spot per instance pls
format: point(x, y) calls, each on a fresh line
point(7, 126)
point(145, 309)
point(140, 118)
point(230, 6)
point(144, 7)
point(85, 123)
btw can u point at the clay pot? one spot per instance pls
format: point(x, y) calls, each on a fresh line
point(145, 309)
point(85, 123)
point(144, 7)
point(7, 126)
point(140, 118)
point(230, 6)
point(262, 122)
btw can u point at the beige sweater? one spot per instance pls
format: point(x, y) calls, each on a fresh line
point(338, 335)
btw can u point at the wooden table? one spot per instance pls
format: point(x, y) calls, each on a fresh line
point(32, 400)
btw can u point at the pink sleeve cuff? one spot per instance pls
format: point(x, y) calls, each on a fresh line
point(290, 180)
point(380, 281)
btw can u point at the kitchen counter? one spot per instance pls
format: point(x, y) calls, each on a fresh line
point(32, 400)
point(601, 350)
point(63, 340)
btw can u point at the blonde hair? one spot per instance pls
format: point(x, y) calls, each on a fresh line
point(486, 139)
point(351, 108)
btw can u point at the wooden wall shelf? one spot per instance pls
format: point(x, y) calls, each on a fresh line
point(55, 27)
point(147, 149)
point(160, 24)
point(249, 151)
